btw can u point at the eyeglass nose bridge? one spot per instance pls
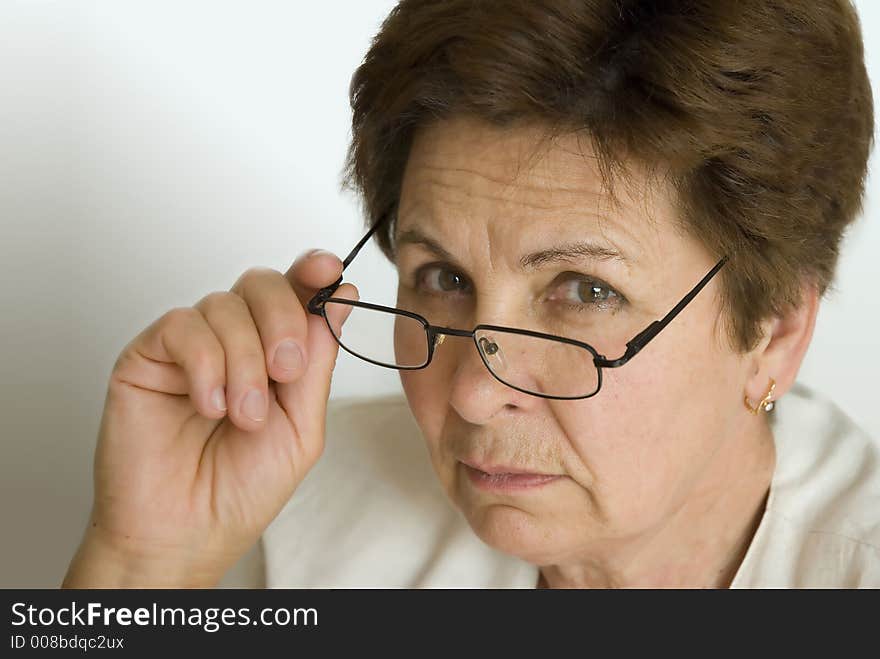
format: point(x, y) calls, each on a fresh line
point(438, 334)
point(484, 346)
point(488, 350)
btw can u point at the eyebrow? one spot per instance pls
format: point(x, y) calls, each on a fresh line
point(564, 253)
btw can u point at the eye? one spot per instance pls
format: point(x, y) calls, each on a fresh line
point(583, 293)
point(578, 292)
point(437, 279)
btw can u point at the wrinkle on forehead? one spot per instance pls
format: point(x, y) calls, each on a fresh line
point(522, 149)
point(434, 175)
point(461, 164)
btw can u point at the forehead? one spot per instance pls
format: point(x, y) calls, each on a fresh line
point(467, 170)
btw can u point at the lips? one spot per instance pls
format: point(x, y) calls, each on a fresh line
point(505, 479)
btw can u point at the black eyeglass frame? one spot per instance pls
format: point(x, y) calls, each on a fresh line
point(317, 306)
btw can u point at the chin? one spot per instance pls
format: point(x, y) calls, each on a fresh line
point(515, 532)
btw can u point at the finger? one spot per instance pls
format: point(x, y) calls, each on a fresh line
point(247, 382)
point(178, 354)
point(312, 271)
point(280, 320)
point(306, 398)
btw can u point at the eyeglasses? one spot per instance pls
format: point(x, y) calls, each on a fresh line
point(534, 363)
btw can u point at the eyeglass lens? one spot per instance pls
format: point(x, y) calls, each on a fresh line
point(534, 364)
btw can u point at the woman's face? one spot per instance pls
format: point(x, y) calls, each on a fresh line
point(624, 460)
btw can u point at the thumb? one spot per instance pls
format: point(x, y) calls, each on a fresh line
point(305, 400)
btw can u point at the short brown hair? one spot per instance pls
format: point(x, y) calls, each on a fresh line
point(758, 112)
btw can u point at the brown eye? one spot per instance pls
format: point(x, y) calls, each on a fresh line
point(590, 291)
point(450, 281)
point(581, 293)
point(437, 279)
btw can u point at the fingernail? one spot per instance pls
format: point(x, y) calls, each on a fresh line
point(254, 405)
point(218, 398)
point(313, 252)
point(288, 356)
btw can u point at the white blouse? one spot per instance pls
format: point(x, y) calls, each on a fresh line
point(372, 513)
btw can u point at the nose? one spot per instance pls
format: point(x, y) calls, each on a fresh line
point(474, 393)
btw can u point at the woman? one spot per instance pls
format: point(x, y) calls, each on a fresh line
point(612, 224)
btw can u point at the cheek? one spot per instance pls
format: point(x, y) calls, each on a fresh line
point(421, 386)
point(427, 388)
point(426, 401)
point(410, 341)
point(644, 441)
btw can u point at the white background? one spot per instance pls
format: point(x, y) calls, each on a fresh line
point(150, 152)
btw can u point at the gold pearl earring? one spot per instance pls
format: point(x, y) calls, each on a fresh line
point(766, 404)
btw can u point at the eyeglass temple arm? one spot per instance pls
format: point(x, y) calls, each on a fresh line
point(317, 302)
point(644, 337)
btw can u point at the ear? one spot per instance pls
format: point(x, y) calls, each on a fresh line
point(781, 350)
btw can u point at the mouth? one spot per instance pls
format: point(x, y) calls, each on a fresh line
point(500, 478)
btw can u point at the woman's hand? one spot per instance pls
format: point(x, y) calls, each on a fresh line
point(210, 422)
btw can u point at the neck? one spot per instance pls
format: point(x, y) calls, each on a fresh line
point(703, 544)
